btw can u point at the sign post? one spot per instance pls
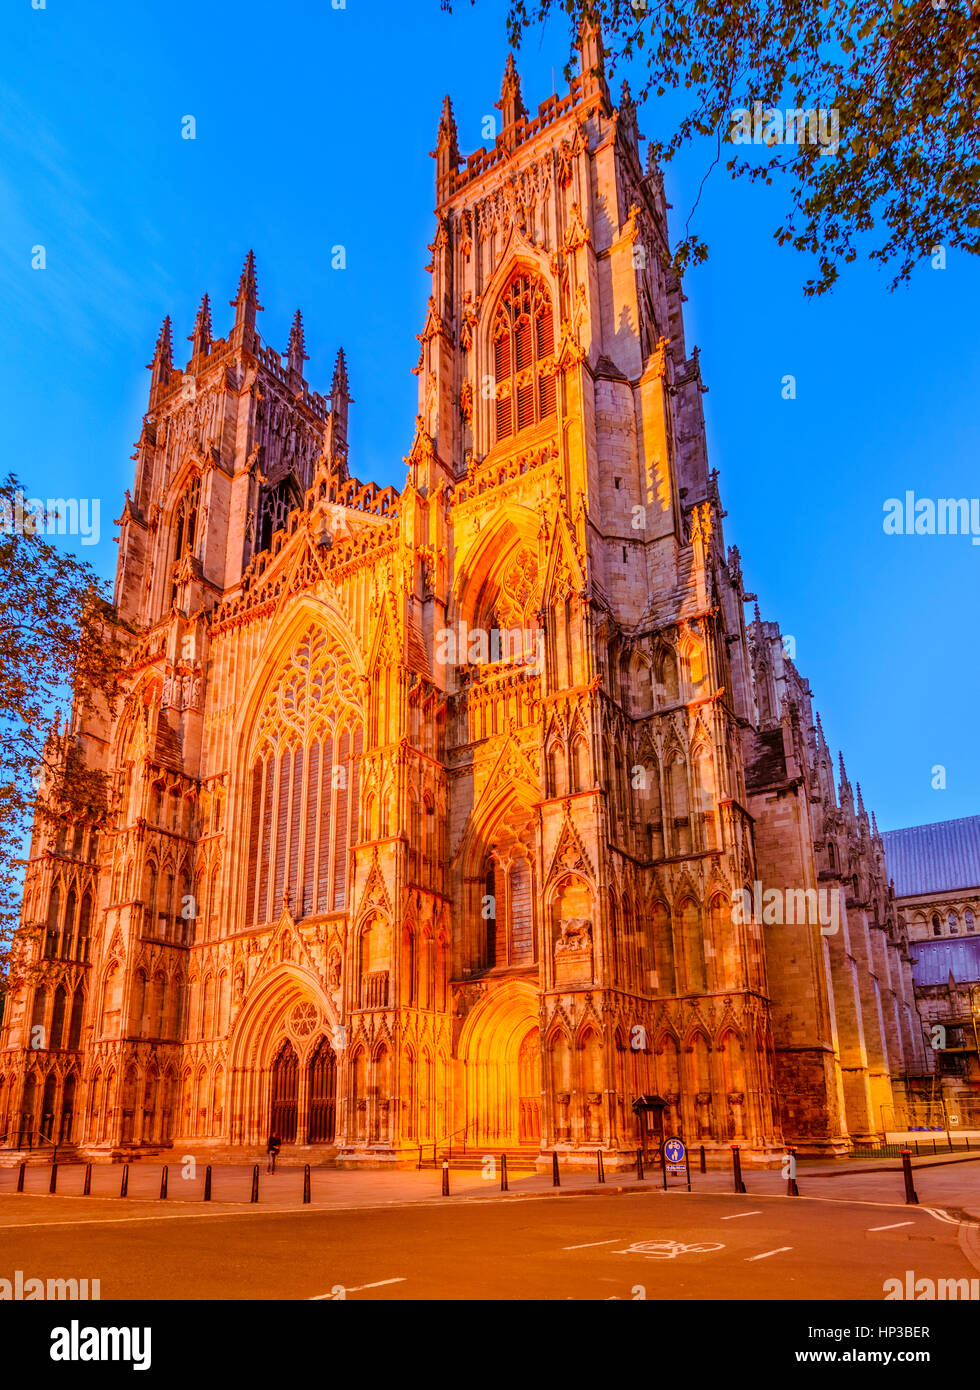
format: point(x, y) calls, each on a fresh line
point(676, 1159)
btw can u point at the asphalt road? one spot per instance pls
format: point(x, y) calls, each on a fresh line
point(618, 1246)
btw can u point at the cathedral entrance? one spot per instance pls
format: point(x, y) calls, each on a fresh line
point(285, 1079)
point(500, 1059)
point(323, 1094)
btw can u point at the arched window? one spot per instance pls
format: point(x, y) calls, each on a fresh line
point(185, 527)
point(84, 924)
point(277, 502)
point(523, 339)
point(68, 926)
point(969, 921)
point(489, 914)
point(937, 926)
point(51, 936)
point(304, 803)
point(953, 922)
point(58, 1016)
point(75, 1022)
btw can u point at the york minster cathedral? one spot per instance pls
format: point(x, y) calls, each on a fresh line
point(455, 815)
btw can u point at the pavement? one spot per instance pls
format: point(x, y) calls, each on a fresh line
point(950, 1181)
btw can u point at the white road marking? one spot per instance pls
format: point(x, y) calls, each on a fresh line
point(591, 1244)
point(766, 1253)
point(893, 1227)
point(379, 1284)
point(737, 1214)
point(941, 1215)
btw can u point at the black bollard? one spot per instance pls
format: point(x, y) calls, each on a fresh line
point(910, 1196)
point(445, 1178)
point(916, 1142)
point(663, 1166)
point(600, 1170)
point(124, 1185)
point(503, 1173)
point(255, 1184)
point(20, 1177)
point(639, 1165)
point(704, 1165)
point(53, 1184)
point(207, 1183)
point(737, 1169)
point(87, 1184)
point(163, 1183)
point(792, 1190)
point(306, 1185)
point(555, 1177)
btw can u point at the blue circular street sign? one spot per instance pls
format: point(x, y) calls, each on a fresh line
point(674, 1151)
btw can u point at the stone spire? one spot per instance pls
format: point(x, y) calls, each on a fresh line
point(862, 814)
point(200, 339)
point(340, 399)
point(511, 104)
point(446, 152)
point(297, 348)
point(846, 795)
point(163, 357)
point(246, 302)
point(627, 116)
point(592, 55)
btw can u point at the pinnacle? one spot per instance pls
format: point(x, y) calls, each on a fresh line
point(340, 381)
point(248, 289)
point(297, 339)
point(511, 104)
point(163, 353)
point(201, 337)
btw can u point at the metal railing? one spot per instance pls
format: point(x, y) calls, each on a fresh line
point(440, 1143)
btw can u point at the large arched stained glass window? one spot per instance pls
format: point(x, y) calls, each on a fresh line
point(304, 787)
point(523, 340)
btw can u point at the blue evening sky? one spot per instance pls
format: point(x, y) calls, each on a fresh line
point(314, 127)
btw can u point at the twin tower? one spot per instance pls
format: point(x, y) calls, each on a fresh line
point(376, 889)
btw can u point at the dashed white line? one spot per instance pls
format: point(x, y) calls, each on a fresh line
point(737, 1214)
point(893, 1227)
point(591, 1244)
point(766, 1253)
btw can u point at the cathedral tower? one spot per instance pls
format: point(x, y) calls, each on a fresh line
point(451, 814)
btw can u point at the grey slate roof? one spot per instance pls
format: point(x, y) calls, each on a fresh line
point(924, 859)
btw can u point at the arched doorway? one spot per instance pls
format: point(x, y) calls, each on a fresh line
point(500, 1058)
point(323, 1094)
point(285, 1078)
point(269, 1084)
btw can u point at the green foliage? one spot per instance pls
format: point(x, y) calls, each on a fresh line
point(902, 75)
point(57, 637)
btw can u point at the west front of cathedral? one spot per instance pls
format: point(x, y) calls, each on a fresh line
point(435, 814)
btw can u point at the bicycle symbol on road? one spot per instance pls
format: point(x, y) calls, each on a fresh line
point(669, 1249)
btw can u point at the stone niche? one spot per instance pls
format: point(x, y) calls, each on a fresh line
point(572, 934)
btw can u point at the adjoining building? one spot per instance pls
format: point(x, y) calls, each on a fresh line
point(477, 811)
point(936, 874)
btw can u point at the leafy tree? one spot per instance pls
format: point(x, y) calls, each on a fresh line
point(58, 640)
point(901, 76)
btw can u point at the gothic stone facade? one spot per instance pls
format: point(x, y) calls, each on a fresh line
point(429, 808)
